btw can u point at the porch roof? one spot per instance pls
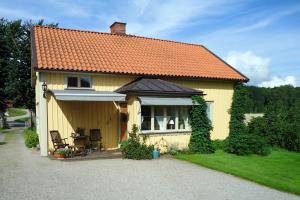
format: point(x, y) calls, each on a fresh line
point(87, 95)
point(157, 87)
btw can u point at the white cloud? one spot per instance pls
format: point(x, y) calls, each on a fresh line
point(255, 67)
point(277, 81)
point(152, 18)
point(268, 20)
point(16, 13)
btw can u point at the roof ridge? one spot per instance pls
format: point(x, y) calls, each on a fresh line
point(121, 35)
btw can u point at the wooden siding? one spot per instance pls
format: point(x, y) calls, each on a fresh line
point(66, 116)
point(220, 93)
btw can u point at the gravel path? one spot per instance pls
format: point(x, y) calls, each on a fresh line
point(26, 175)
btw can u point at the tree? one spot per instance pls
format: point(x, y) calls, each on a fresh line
point(4, 54)
point(292, 131)
point(201, 126)
point(238, 110)
point(239, 141)
point(18, 80)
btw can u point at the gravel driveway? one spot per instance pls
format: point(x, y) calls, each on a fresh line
point(26, 175)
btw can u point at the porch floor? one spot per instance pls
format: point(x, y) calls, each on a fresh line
point(107, 154)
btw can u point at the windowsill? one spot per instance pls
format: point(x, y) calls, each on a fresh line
point(78, 88)
point(165, 131)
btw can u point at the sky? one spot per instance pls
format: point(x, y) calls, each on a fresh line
point(259, 38)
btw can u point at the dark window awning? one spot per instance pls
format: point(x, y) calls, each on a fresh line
point(157, 87)
point(87, 95)
point(164, 101)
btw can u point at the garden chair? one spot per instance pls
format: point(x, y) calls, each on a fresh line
point(95, 138)
point(57, 141)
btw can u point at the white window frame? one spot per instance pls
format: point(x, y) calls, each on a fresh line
point(165, 130)
point(210, 106)
point(176, 130)
point(78, 82)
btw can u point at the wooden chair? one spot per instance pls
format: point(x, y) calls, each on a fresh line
point(95, 137)
point(57, 141)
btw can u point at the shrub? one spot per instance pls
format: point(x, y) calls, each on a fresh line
point(31, 137)
point(201, 126)
point(173, 149)
point(218, 144)
point(246, 144)
point(135, 147)
point(243, 140)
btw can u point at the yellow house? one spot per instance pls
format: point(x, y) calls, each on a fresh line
point(110, 81)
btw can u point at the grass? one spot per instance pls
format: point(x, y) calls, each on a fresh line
point(25, 119)
point(13, 112)
point(279, 170)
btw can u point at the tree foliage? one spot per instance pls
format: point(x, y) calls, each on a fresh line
point(201, 126)
point(240, 141)
point(135, 147)
point(4, 55)
point(15, 62)
point(262, 97)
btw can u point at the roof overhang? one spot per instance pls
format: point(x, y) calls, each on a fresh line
point(87, 95)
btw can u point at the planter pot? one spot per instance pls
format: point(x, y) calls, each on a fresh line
point(156, 154)
point(59, 155)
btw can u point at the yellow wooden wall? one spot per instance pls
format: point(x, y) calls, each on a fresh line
point(89, 114)
point(66, 116)
point(220, 93)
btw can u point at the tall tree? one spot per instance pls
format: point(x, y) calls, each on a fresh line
point(18, 80)
point(4, 55)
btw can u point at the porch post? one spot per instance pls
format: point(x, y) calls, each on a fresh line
point(43, 117)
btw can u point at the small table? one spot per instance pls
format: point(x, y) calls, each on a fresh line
point(80, 144)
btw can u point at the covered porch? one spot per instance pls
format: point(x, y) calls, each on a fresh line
point(69, 110)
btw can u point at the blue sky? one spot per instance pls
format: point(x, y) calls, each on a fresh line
point(260, 38)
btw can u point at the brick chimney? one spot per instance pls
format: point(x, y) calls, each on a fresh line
point(118, 28)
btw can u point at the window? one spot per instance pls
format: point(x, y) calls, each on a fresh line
point(146, 118)
point(209, 110)
point(171, 117)
point(183, 117)
point(164, 118)
point(78, 82)
point(158, 118)
point(72, 82)
point(168, 118)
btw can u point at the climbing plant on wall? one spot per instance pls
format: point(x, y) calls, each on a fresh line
point(201, 126)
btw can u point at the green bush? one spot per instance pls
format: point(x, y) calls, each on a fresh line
point(218, 144)
point(200, 141)
point(135, 147)
point(31, 137)
point(243, 140)
point(246, 144)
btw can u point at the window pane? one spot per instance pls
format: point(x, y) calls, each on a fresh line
point(72, 82)
point(183, 117)
point(209, 110)
point(171, 115)
point(85, 82)
point(146, 118)
point(158, 117)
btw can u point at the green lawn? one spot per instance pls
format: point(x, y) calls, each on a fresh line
point(13, 112)
point(279, 170)
point(25, 119)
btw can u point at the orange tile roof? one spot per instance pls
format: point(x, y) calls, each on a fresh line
point(74, 50)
